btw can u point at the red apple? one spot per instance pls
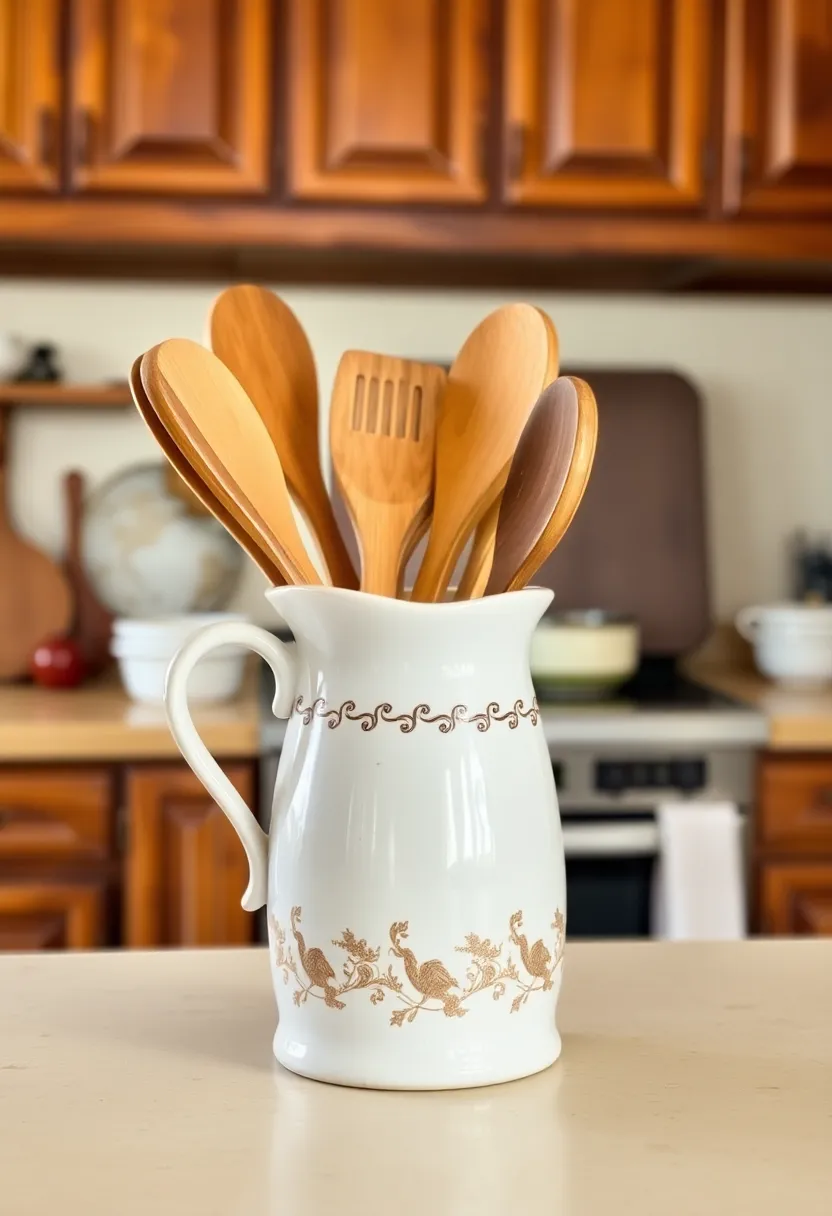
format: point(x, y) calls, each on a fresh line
point(58, 663)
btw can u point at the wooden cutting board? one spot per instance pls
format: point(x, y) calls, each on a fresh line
point(35, 598)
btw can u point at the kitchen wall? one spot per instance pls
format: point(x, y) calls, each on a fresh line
point(763, 367)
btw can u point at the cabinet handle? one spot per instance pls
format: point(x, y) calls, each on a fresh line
point(516, 150)
point(47, 128)
point(85, 134)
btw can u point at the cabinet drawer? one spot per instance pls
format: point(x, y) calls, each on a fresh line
point(56, 813)
point(796, 898)
point(795, 806)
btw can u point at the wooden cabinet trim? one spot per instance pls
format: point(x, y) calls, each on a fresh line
point(545, 163)
point(55, 813)
point(223, 148)
point(39, 914)
point(437, 156)
point(795, 897)
point(30, 84)
point(794, 805)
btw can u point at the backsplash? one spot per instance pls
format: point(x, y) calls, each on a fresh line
point(762, 367)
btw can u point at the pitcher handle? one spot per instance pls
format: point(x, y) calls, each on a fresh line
point(283, 664)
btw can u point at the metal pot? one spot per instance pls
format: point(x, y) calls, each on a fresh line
point(585, 654)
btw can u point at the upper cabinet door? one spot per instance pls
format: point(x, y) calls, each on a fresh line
point(386, 100)
point(29, 90)
point(606, 102)
point(778, 111)
point(171, 96)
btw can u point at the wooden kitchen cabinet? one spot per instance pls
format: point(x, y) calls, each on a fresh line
point(51, 912)
point(185, 868)
point(796, 897)
point(29, 94)
point(386, 100)
point(170, 96)
point(607, 103)
point(778, 107)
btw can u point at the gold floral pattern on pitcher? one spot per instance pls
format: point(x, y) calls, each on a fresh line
point(458, 715)
point(429, 986)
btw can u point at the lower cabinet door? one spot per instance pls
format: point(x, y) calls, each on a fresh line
point(185, 869)
point(44, 913)
point(796, 897)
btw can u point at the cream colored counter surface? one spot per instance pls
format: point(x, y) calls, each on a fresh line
point(695, 1080)
point(99, 722)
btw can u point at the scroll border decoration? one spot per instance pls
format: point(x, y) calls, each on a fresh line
point(447, 722)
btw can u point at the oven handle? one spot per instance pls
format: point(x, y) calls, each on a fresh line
point(634, 839)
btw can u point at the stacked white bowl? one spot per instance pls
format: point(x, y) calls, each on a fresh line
point(144, 649)
point(792, 642)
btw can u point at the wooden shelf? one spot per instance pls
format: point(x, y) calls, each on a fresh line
point(65, 396)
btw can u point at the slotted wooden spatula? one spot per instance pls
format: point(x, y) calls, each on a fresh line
point(493, 384)
point(213, 423)
point(261, 341)
point(382, 431)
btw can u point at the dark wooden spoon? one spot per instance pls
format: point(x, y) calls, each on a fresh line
point(546, 482)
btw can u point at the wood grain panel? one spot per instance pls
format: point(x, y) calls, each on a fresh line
point(795, 804)
point(171, 96)
point(606, 103)
point(796, 898)
point(778, 107)
point(29, 94)
point(41, 914)
point(55, 814)
point(185, 868)
point(386, 99)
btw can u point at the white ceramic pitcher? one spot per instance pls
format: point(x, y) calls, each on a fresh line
point(414, 870)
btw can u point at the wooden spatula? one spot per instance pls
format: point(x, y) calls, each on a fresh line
point(382, 429)
point(35, 599)
point(213, 423)
point(261, 341)
point(493, 384)
point(478, 568)
point(546, 482)
point(199, 482)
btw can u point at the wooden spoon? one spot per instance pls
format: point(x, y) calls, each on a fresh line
point(382, 430)
point(546, 482)
point(475, 576)
point(200, 482)
point(493, 384)
point(35, 597)
point(212, 420)
point(261, 341)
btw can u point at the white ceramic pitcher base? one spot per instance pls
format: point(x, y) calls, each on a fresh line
point(479, 1064)
point(413, 873)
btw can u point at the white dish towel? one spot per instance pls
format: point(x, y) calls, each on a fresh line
point(699, 882)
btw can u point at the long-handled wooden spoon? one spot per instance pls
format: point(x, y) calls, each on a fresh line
point(478, 567)
point(199, 483)
point(213, 422)
point(382, 430)
point(493, 384)
point(261, 341)
point(546, 482)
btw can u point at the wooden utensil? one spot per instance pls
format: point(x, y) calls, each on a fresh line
point(382, 436)
point(261, 341)
point(478, 568)
point(93, 624)
point(35, 597)
point(493, 384)
point(546, 482)
point(214, 424)
point(200, 483)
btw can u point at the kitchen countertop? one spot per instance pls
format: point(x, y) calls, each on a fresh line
point(99, 722)
point(795, 720)
point(695, 1078)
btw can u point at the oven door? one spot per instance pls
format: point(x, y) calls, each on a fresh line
point(609, 873)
